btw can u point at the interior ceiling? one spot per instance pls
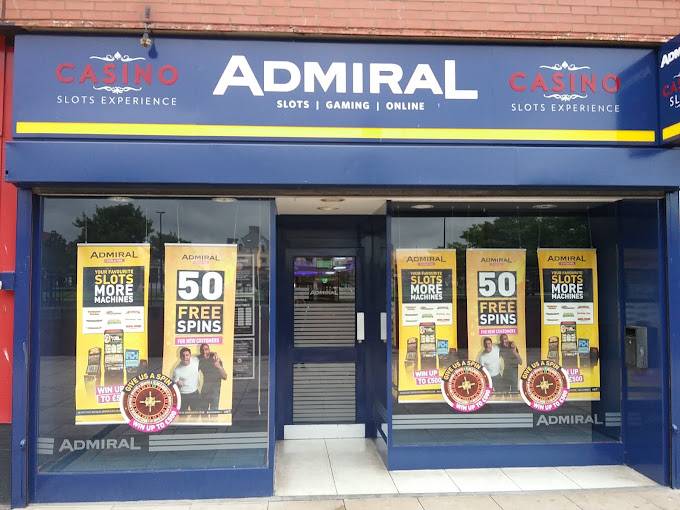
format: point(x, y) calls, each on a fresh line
point(339, 205)
point(331, 205)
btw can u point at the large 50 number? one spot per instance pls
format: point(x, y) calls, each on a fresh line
point(491, 283)
point(210, 288)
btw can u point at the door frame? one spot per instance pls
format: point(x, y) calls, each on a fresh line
point(285, 350)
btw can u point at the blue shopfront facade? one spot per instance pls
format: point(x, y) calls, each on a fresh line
point(209, 135)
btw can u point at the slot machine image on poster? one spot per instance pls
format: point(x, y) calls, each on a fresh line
point(427, 340)
point(569, 318)
point(111, 318)
point(496, 281)
point(198, 347)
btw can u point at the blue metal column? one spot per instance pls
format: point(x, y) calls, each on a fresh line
point(645, 411)
point(22, 332)
point(389, 250)
point(273, 299)
point(673, 279)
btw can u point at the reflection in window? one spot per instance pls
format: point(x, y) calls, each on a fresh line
point(65, 447)
point(509, 226)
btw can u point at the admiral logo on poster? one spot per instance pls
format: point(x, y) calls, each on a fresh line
point(112, 256)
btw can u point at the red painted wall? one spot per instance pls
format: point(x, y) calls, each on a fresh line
point(8, 205)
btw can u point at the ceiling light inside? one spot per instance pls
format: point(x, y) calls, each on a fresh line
point(422, 206)
point(327, 208)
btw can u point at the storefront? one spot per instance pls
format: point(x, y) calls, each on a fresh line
point(462, 251)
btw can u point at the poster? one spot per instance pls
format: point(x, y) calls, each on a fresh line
point(495, 308)
point(244, 358)
point(198, 348)
point(111, 333)
point(244, 315)
point(245, 274)
point(569, 325)
point(426, 281)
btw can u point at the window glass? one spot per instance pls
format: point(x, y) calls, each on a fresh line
point(497, 250)
point(204, 439)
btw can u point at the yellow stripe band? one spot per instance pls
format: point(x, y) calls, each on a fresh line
point(374, 133)
point(670, 131)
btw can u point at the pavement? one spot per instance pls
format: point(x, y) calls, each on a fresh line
point(639, 498)
point(348, 474)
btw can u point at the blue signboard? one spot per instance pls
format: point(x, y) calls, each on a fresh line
point(669, 93)
point(111, 87)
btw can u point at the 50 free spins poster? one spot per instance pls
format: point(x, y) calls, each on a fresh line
point(495, 308)
point(427, 321)
point(198, 349)
point(569, 326)
point(111, 325)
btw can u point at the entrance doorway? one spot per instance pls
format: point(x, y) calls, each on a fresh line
point(328, 330)
point(330, 294)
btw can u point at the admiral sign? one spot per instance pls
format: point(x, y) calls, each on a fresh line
point(669, 90)
point(112, 87)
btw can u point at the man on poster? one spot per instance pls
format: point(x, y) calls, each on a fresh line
point(210, 365)
point(490, 358)
point(186, 377)
point(511, 362)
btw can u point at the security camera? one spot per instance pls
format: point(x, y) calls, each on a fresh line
point(145, 40)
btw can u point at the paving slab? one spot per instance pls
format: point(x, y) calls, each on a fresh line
point(554, 501)
point(398, 503)
point(461, 502)
point(662, 497)
point(314, 504)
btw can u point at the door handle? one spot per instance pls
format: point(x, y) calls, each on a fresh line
point(383, 326)
point(361, 335)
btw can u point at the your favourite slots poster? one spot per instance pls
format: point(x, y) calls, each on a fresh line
point(569, 326)
point(427, 321)
point(111, 339)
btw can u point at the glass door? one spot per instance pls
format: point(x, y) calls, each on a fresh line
point(326, 333)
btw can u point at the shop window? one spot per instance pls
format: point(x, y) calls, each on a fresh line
point(133, 289)
point(467, 298)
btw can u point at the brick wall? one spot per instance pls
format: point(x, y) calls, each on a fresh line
point(579, 20)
